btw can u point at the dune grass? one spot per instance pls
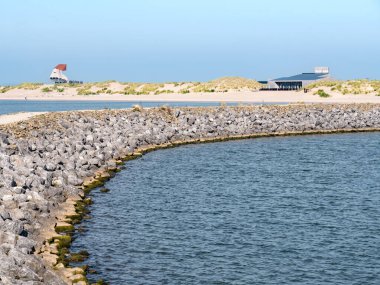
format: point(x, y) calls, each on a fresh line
point(226, 84)
point(149, 88)
point(46, 89)
point(28, 86)
point(131, 88)
point(85, 89)
point(4, 89)
point(356, 87)
point(322, 93)
point(158, 92)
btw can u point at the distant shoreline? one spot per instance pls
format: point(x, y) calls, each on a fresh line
point(229, 97)
point(227, 89)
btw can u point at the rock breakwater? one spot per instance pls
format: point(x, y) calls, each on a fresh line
point(49, 162)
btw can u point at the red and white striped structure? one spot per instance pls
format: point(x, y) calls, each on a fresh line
point(57, 75)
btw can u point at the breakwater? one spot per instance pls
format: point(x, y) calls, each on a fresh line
point(48, 163)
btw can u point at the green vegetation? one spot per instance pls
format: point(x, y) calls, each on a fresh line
point(25, 86)
point(79, 256)
point(158, 92)
point(46, 89)
point(322, 93)
point(29, 86)
point(104, 90)
point(67, 230)
point(58, 88)
point(5, 89)
point(184, 91)
point(103, 84)
point(325, 83)
point(149, 88)
point(356, 87)
point(73, 219)
point(131, 88)
point(63, 243)
point(85, 90)
point(84, 279)
point(225, 84)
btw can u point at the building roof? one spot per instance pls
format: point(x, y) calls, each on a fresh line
point(61, 67)
point(304, 77)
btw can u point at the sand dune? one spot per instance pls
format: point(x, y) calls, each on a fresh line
point(228, 89)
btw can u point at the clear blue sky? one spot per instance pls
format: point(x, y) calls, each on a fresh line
point(180, 40)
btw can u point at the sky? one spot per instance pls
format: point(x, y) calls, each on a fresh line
point(187, 40)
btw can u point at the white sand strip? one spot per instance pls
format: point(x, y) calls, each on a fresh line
point(17, 117)
point(243, 97)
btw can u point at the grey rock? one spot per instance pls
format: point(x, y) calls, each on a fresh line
point(40, 172)
point(50, 166)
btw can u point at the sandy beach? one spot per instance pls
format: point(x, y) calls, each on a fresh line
point(243, 97)
point(17, 117)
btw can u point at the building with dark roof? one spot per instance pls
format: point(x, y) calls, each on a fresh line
point(301, 80)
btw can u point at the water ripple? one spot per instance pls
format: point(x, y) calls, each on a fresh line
point(297, 210)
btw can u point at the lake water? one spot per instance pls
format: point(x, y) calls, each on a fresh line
point(14, 106)
point(291, 210)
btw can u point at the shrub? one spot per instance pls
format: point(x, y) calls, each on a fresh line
point(163, 92)
point(84, 92)
point(5, 89)
point(102, 91)
point(322, 93)
point(131, 88)
point(60, 89)
point(46, 89)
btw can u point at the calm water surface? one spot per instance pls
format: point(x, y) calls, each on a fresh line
point(14, 106)
point(296, 210)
